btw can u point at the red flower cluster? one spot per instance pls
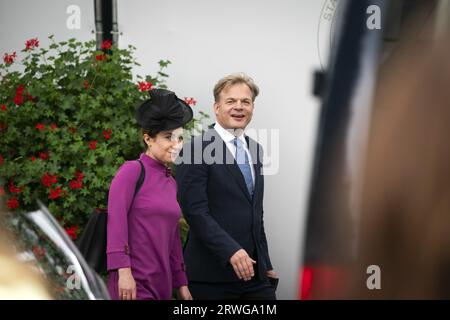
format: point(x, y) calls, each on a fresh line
point(44, 155)
point(144, 86)
point(72, 232)
point(48, 180)
point(100, 57)
point(93, 145)
point(78, 182)
point(18, 99)
point(107, 134)
point(56, 193)
point(106, 45)
point(190, 101)
point(13, 188)
point(29, 97)
point(79, 175)
point(9, 58)
point(53, 126)
point(31, 44)
point(13, 203)
point(3, 107)
point(33, 158)
point(75, 184)
point(40, 126)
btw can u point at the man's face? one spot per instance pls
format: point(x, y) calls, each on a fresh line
point(234, 109)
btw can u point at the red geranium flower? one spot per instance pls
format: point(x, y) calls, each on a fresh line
point(190, 101)
point(13, 203)
point(31, 44)
point(79, 175)
point(53, 126)
point(72, 232)
point(3, 107)
point(9, 58)
point(75, 184)
point(43, 155)
point(93, 145)
point(48, 180)
point(18, 100)
point(55, 193)
point(144, 86)
point(29, 97)
point(33, 159)
point(107, 134)
point(40, 126)
point(106, 45)
point(14, 189)
point(19, 90)
point(100, 57)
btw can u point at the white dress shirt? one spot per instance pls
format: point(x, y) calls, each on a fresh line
point(228, 137)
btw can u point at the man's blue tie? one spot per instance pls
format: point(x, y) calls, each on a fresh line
point(244, 165)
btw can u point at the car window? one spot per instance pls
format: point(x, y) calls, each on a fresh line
point(35, 248)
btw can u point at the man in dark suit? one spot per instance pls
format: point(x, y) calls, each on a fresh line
point(220, 190)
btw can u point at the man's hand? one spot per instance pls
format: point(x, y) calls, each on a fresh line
point(243, 265)
point(271, 274)
point(127, 285)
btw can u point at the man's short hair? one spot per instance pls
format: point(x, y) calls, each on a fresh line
point(233, 79)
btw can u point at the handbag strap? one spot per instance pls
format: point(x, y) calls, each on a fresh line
point(140, 181)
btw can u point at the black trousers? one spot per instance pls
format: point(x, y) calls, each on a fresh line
point(253, 289)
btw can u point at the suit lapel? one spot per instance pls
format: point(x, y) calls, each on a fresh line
point(233, 168)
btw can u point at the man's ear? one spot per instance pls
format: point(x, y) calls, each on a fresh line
point(216, 107)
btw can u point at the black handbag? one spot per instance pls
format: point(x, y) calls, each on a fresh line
point(92, 242)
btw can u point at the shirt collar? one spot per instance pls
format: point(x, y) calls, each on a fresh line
point(228, 135)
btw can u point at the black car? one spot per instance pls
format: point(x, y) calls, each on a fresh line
point(42, 243)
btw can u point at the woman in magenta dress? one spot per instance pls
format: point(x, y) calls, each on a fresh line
point(144, 254)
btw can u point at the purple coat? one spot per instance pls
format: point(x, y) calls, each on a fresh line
point(145, 235)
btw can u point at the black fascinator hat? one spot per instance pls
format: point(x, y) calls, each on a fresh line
point(163, 111)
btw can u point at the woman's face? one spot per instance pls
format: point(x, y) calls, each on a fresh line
point(165, 146)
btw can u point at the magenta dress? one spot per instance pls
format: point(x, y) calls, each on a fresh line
point(147, 236)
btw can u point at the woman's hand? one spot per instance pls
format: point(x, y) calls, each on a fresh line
point(184, 293)
point(127, 285)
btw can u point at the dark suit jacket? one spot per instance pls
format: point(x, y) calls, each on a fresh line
point(222, 216)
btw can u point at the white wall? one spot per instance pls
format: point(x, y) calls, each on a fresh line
point(21, 20)
point(275, 42)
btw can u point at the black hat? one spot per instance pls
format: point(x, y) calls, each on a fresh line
point(163, 111)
